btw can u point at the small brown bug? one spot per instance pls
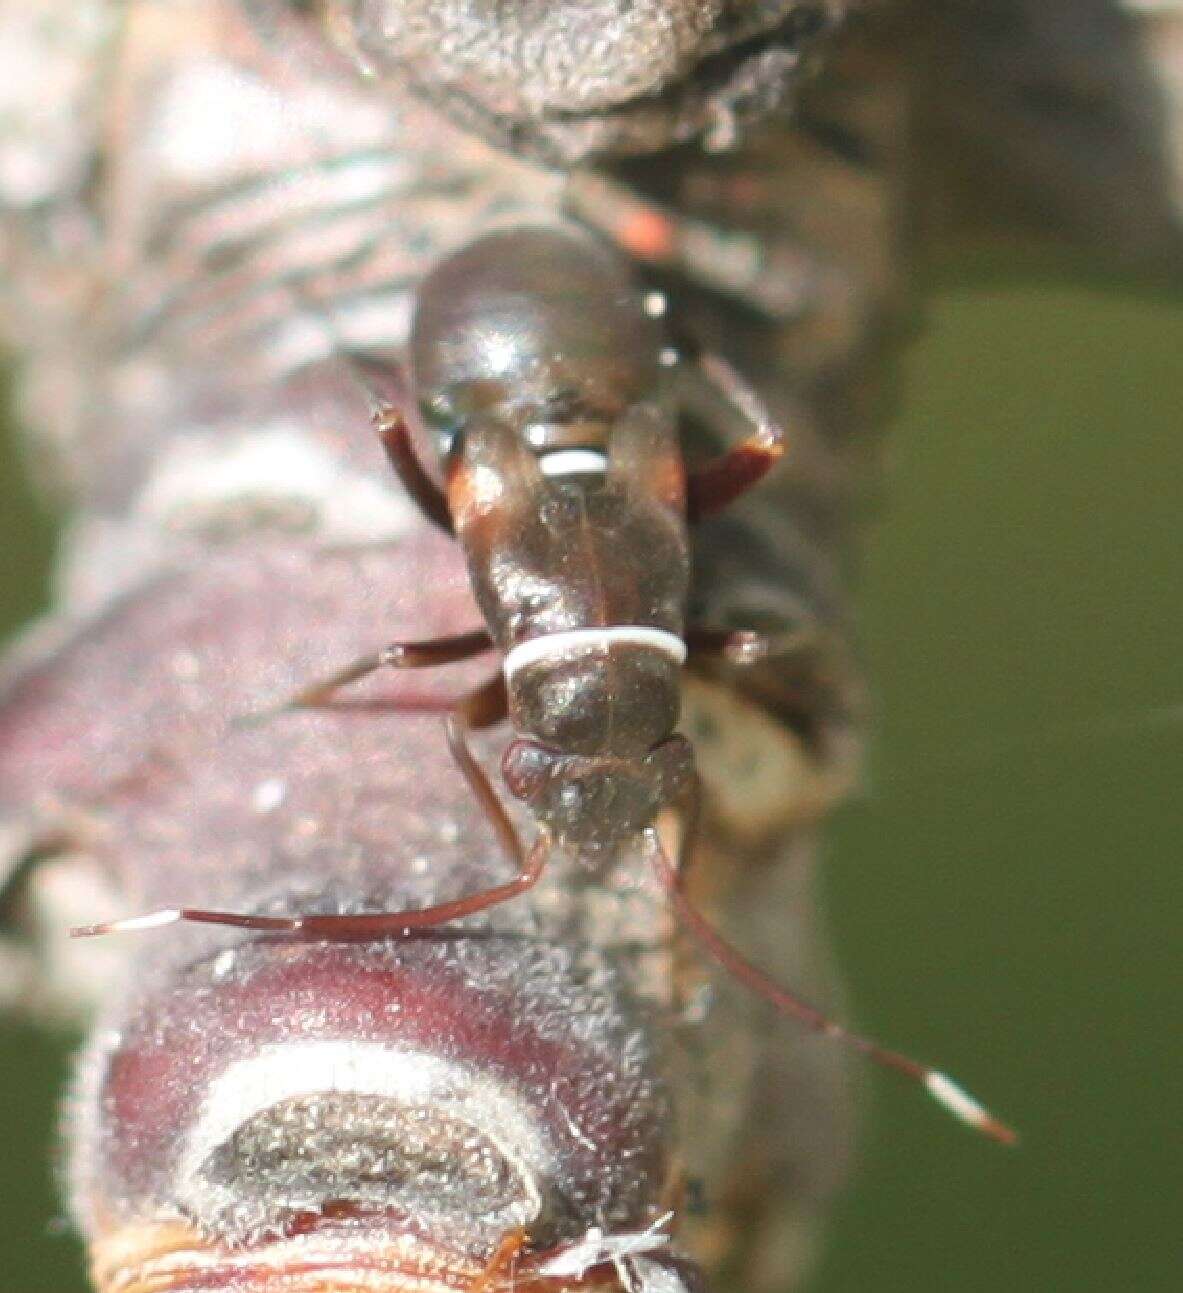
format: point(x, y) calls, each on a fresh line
point(544, 375)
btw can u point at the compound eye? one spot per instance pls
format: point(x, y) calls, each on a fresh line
point(445, 423)
point(526, 765)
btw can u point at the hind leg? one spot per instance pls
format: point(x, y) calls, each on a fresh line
point(481, 708)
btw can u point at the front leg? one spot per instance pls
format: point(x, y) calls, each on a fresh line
point(739, 264)
point(395, 434)
point(388, 390)
point(712, 487)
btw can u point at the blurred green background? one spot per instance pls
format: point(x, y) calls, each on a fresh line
point(1004, 898)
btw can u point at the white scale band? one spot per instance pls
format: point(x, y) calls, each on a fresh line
point(528, 653)
point(569, 462)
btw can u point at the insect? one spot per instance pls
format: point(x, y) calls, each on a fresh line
point(547, 386)
point(544, 379)
point(853, 150)
point(551, 392)
point(1047, 146)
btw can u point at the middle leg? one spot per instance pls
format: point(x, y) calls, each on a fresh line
point(426, 654)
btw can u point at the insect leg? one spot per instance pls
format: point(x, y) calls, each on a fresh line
point(941, 1087)
point(749, 646)
point(395, 434)
point(426, 654)
point(712, 487)
point(388, 391)
point(481, 708)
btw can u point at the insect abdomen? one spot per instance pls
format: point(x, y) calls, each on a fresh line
point(598, 691)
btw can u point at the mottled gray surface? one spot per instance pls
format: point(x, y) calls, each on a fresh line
point(565, 79)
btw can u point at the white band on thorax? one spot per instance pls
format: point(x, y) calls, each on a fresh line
point(528, 653)
point(569, 462)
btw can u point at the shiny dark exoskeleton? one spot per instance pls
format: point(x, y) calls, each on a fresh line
point(535, 361)
point(554, 394)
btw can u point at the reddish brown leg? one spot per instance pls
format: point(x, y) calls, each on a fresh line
point(942, 1088)
point(398, 655)
point(481, 708)
point(713, 487)
point(395, 435)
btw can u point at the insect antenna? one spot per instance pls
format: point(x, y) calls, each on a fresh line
point(939, 1085)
